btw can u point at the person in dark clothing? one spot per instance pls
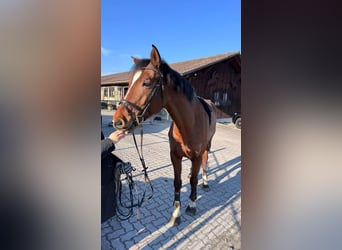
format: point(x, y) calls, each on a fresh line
point(108, 164)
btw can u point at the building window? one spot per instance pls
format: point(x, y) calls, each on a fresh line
point(225, 99)
point(217, 97)
point(111, 92)
point(105, 92)
point(125, 91)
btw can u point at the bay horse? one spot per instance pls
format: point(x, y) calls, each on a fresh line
point(154, 85)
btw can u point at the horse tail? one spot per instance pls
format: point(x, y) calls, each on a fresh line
point(215, 112)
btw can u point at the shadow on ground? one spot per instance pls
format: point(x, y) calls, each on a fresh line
point(152, 232)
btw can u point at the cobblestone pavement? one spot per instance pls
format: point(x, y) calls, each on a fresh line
point(217, 224)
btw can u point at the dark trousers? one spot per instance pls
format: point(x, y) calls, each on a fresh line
point(108, 192)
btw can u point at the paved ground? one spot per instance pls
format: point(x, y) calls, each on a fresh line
point(218, 219)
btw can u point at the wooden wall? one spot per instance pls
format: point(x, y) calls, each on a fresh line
point(220, 83)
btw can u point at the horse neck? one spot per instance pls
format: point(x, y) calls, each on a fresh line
point(180, 109)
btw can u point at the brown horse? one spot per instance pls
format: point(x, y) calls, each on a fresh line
point(153, 85)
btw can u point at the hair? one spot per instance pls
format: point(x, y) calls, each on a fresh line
point(140, 64)
point(179, 83)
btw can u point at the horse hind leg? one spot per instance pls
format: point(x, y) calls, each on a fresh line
point(205, 185)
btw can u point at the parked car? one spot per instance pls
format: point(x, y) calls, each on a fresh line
point(237, 120)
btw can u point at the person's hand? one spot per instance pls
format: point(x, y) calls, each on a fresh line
point(116, 136)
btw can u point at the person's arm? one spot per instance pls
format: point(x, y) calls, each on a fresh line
point(108, 144)
point(107, 147)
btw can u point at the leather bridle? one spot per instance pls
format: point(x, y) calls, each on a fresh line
point(139, 118)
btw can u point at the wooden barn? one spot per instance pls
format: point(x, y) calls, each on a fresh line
point(216, 77)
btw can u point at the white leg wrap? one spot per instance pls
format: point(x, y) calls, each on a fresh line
point(205, 179)
point(192, 204)
point(176, 213)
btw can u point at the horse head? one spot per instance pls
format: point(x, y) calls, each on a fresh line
point(144, 97)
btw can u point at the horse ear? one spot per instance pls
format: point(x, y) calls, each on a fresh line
point(135, 60)
point(155, 56)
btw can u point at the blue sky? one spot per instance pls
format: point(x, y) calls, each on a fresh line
point(181, 30)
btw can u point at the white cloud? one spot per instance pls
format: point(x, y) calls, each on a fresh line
point(104, 51)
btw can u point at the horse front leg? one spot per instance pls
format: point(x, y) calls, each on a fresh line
point(191, 208)
point(177, 168)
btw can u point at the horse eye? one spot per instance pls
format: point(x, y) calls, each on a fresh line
point(146, 84)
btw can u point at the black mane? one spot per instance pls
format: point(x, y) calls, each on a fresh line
point(179, 83)
point(141, 64)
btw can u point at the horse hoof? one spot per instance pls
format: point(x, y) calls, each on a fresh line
point(190, 211)
point(175, 221)
point(205, 188)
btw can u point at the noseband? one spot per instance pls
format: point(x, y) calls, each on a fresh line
point(143, 110)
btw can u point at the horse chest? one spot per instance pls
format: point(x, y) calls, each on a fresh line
point(191, 151)
point(183, 146)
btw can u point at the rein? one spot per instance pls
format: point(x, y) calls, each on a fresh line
point(142, 160)
point(139, 119)
point(129, 177)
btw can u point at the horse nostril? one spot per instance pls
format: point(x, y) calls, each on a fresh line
point(119, 124)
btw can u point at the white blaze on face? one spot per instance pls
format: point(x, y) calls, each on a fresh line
point(135, 78)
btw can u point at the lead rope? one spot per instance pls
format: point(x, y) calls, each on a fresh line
point(127, 169)
point(146, 178)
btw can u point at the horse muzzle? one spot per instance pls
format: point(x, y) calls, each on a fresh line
point(124, 117)
point(119, 124)
point(123, 124)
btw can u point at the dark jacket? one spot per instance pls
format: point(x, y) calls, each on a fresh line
point(108, 193)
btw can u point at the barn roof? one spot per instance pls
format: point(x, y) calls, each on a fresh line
point(183, 68)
